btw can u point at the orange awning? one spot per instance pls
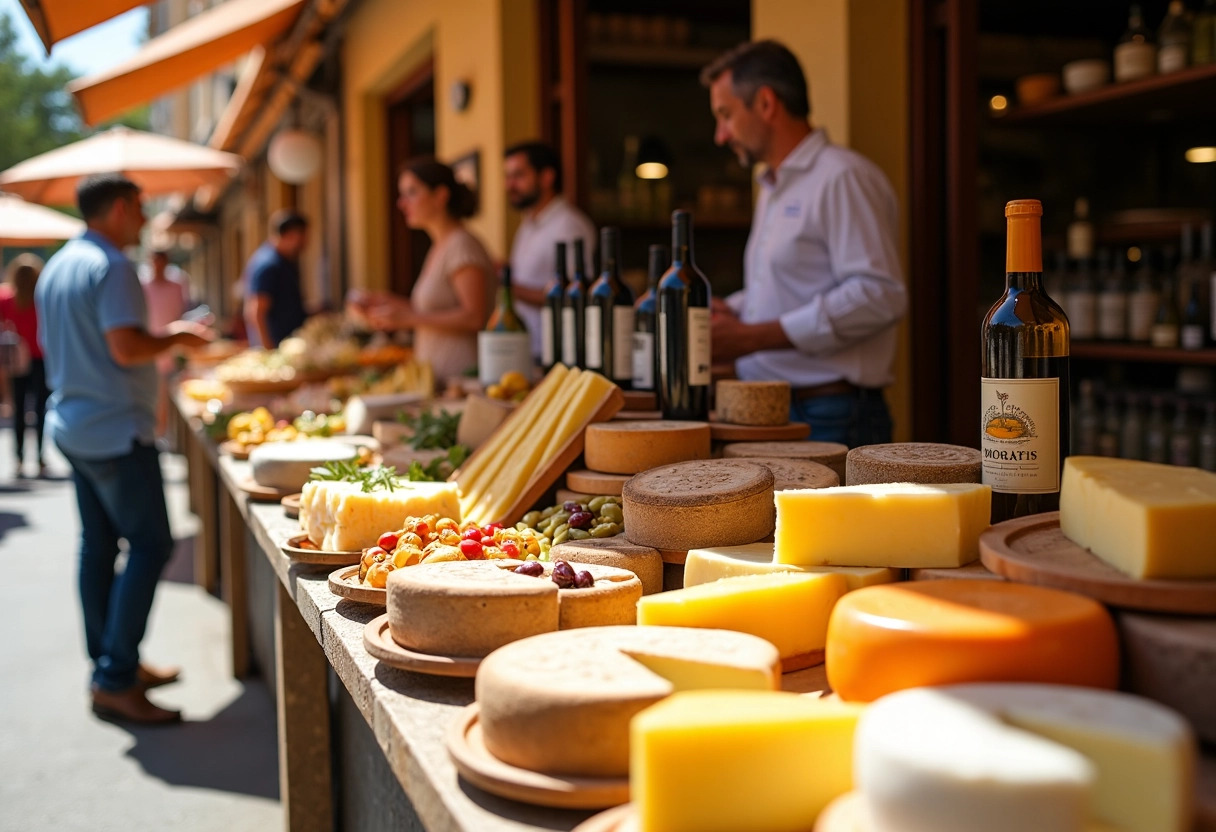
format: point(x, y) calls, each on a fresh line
point(25, 224)
point(55, 20)
point(187, 51)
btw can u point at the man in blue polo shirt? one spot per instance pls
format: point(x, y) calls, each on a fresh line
point(274, 305)
point(102, 416)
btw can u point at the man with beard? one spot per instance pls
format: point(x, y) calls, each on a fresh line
point(822, 284)
point(534, 185)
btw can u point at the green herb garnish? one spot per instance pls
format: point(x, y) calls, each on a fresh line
point(431, 430)
point(376, 478)
point(440, 468)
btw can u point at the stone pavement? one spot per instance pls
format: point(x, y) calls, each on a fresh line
point(63, 769)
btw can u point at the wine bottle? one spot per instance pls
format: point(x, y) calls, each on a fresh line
point(1136, 54)
point(609, 327)
point(1166, 323)
point(1191, 335)
point(1142, 302)
point(644, 312)
point(504, 345)
point(1174, 39)
point(574, 311)
point(1024, 428)
point(683, 342)
point(551, 312)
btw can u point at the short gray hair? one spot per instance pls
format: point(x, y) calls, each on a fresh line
point(763, 63)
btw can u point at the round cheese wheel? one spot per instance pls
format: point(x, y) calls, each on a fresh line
point(287, 465)
point(797, 473)
point(617, 551)
point(692, 505)
point(471, 608)
point(632, 447)
point(831, 454)
point(886, 638)
point(753, 402)
point(560, 703)
point(923, 462)
point(1172, 659)
point(582, 481)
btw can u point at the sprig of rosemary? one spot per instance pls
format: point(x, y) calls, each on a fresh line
point(432, 431)
point(440, 468)
point(379, 477)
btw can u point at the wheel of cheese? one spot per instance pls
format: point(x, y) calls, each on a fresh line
point(582, 481)
point(560, 703)
point(287, 465)
point(797, 473)
point(1172, 659)
point(753, 402)
point(691, 505)
point(886, 638)
point(616, 551)
point(632, 447)
point(831, 454)
point(923, 462)
point(471, 608)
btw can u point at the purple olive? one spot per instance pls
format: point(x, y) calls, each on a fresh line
point(583, 580)
point(532, 568)
point(580, 520)
point(571, 506)
point(563, 574)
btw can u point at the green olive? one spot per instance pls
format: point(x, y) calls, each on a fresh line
point(562, 537)
point(578, 534)
point(613, 513)
point(596, 502)
point(531, 518)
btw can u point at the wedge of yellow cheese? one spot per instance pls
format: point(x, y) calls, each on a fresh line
point(790, 610)
point(902, 525)
point(341, 517)
point(705, 565)
point(725, 761)
point(1144, 519)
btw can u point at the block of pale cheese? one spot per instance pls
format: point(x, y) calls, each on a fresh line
point(726, 761)
point(797, 473)
point(471, 608)
point(642, 561)
point(342, 517)
point(1144, 519)
point(561, 703)
point(583, 481)
point(712, 564)
point(831, 454)
point(924, 462)
point(632, 447)
point(713, 502)
point(752, 402)
point(886, 638)
point(890, 524)
point(1018, 757)
point(789, 609)
point(287, 465)
point(1172, 659)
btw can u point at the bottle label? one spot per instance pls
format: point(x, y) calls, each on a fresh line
point(1141, 311)
point(499, 353)
point(1112, 316)
point(1164, 336)
point(1020, 434)
point(1082, 315)
point(622, 343)
point(1080, 240)
point(699, 366)
point(1171, 58)
point(594, 338)
point(643, 361)
point(1192, 337)
point(1135, 60)
point(546, 337)
point(569, 338)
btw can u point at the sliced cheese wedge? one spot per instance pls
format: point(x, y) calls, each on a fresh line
point(705, 565)
point(341, 517)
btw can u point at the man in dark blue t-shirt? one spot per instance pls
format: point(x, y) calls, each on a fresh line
point(274, 307)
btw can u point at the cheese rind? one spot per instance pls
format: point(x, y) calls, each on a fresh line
point(892, 524)
point(633, 447)
point(341, 517)
point(1172, 660)
point(642, 561)
point(923, 462)
point(797, 473)
point(882, 639)
point(1144, 519)
point(287, 465)
point(831, 454)
point(712, 564)
point(765, 403)
point(724, 761)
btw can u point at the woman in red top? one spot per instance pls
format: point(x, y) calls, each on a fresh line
point(17, 313)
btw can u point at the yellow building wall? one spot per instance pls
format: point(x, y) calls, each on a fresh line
point(855, 55)
point(489, 44)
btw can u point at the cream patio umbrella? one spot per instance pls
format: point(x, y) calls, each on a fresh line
point(25, 224)
point(160, 165)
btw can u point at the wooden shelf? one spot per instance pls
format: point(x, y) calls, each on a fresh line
point(647, 55)
point(1140, 353)
point(1188, 94)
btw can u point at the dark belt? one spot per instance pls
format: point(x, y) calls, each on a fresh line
point(831, 388)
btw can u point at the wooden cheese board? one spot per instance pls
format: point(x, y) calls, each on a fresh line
point(1034, 550)
point(675, 557)
point(302, 550)
point(973, 571)
point(380, 645)
point(802, 661)
point(638, 415)
point(722, 432)
point(620, 819)
point(234, 449)
point(582, 481)
point(262, 493)
point(344, 582)
point(264, 387)
point(291, 505)
point(477, 765)
point(640, 400)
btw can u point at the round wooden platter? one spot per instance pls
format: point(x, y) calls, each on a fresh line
point(582, 481)
point(380, 645)
point(235, 449)
point(344, 582)
point(722, 432)
point(621, 819)
point(1034, 550)
point(262, 493)
point(295, 549)
point(291, 505)
point(481, 768)
point(242, 388)
point(638, 416)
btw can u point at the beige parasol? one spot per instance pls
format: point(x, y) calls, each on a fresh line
point(25, 224)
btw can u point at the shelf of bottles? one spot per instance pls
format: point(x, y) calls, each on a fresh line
point(1169, 428)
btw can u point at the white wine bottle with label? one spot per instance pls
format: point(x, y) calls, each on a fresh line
point(504, 346)
point(609, 328)
point(645, 322)
point(551, 312)
point(1024, 417)
point(683, 332)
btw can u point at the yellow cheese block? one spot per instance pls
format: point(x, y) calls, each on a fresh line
point(633, 447)
point(705, 565)
point(341, 517)
point(790, 610)
point(889, 524)
point(1144, 519)
point(727, 761)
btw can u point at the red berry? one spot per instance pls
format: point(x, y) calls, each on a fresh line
point(510, 548)
point(472, 534)
point(387, 541)
point(422, 530)
point(472, 550)
point(489, 529)
point(487, 540)
point(375, 550)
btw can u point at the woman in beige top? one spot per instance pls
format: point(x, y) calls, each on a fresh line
point(451, 299)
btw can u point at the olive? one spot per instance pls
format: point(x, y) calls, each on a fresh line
point(532, 568)
point(580, 520)
point(583, 579)
point(571, 506)
point(579, 534)
point(563, 574)
point(612, 513)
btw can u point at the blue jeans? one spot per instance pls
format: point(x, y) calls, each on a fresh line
point(120, 497)
point(854, 419)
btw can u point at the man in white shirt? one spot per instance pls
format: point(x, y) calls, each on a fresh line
point(822, 284)
point(534, 185)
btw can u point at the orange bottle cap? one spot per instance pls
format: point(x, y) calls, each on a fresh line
point(1023, 207)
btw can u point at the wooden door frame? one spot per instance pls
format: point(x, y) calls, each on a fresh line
point(563, 86)
point(401, 241)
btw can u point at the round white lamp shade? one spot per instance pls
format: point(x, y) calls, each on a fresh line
point(294, 156)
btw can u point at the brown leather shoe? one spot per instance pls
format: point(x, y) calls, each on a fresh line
point(154, 677)
point(131, 705)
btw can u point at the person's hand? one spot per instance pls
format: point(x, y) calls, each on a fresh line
point(719, 306)
point(389, 312)
point(190, 335)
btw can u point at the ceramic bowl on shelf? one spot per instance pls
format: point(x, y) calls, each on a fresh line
point(1037, 88)
point(1085, 75)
